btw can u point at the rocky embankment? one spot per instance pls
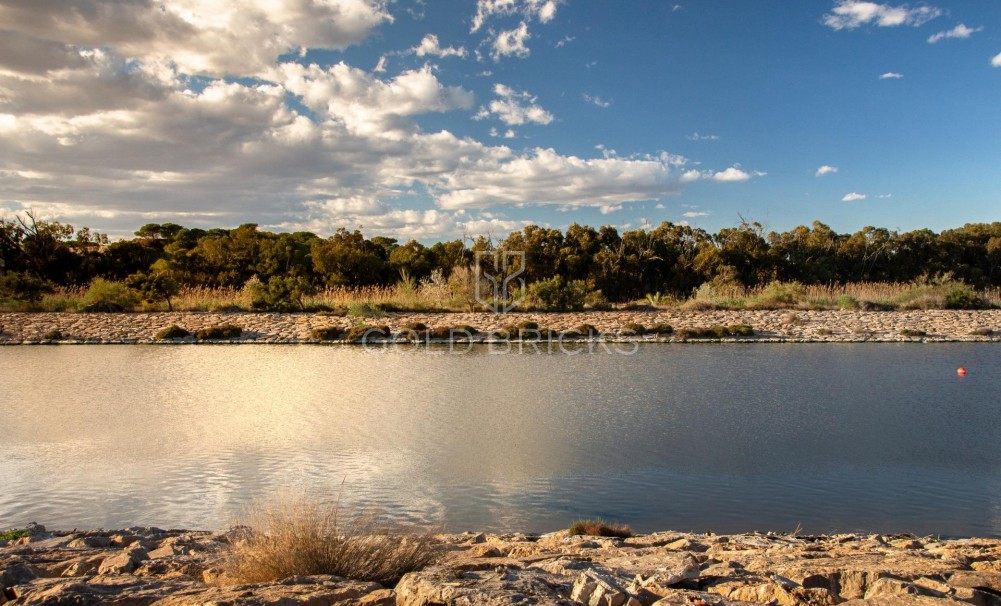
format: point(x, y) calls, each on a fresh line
point(148, 566)
point(769, 326)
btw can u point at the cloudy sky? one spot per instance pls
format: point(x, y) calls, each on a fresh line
point(440, 118)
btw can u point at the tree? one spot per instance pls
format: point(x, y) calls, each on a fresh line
point(153, 287)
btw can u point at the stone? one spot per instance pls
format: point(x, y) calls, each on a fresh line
point(16, 573)
point(93, 541)
point(124, 562)
point(595, 589)
point(442, 587)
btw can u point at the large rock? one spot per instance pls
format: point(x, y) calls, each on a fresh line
point(123, 562)
point(592, 588)
point(503, 587)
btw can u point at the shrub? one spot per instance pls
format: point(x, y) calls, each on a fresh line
point(587, 330)
point(415, 326)
point(153, 287)
point(172, 332)
point(962, 297)
point(912, 332)
point(327, 333)
point(597, 301)
point(599, 528)
point(105, 291)
point(13, 535)
point(335, 312)
point(661, 329)
point(363, 333)
point(23, 287)
point(528, 325)
point(281, 293)
point(777, 295)
point(740, 330)
point(453, 332)
point(299, 536)
point(982, 332)
point(557, 294)
point(53, 335)
point(221, 332)
point(632, 328)
point(717, 332)
point(365, 309)
point(847, 302)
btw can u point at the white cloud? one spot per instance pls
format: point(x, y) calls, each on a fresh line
point(694, 214)
point(996, 61)
point(429, 46)
point(660, 207)
point(511, 43)
point(514, 108)
point(608, 209)
point(852, 197)
point(700, 137)
point(732, 174)
point(884, 196)
point(540, 10)
point(851, 14)
point(826, 170)
point(564, 41)
point(891, 76)
point(240, 37)
point(602, 103)
point(960, 32)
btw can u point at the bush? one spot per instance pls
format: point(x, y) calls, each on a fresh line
point(597, 301)
point(335, 312)
point(172, 332)
point(365, 333)
point(717, 332)
point(661, 329)
point(281, 294)
point(327, 333)
point(221, 332)
point(777, 295)
point(962, 297)
point(365, 309)
point(13, 535)
point(300, 536)
point(632, 328)
point(105, 291)
point(599, 528)
point(53, 335)
point(528, 325)
point(557, 294)
point(23, 287)
point(981, 332)
point(587, 330)
point(153, 287)
point(913, 332)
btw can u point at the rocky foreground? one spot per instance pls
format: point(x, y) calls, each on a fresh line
point(769, 325)
point(147, 566)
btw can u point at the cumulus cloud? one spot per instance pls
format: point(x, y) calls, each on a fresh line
point(853, 197)
point(960, 32)
point(826, 170)
point(514, 108)
point(732, 174)
point(996, 61)
point(429, 46)
point(511, 43)
point(891, 76)
point(851, 14)
point(199, 36)
point(692, 214)
point(540, 10)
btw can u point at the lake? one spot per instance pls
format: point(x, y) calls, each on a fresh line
point(722, 437)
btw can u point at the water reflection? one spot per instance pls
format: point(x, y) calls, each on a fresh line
point(689, 437)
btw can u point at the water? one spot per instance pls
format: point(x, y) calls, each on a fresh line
point(727, 438)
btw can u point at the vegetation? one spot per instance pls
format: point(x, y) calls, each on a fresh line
point(363, 333)
point(913, 332)
point(221, 332)
point(172, 332)
point(633, 329)
point(53, 335)
point(47, 265)
point(716, 332)
point(327, 333)
point(13, 535)
point(596, 527)
point(298, 536)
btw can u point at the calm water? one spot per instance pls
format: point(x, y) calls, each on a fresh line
point(687, 437)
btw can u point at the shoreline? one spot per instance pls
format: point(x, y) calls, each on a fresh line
point(770, 326)
point(150, 566)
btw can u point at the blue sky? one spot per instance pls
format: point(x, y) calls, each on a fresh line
point(439, 119)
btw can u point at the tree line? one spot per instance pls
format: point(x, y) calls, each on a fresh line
point(36, 255)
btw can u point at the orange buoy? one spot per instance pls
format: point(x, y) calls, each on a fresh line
point(961, 371)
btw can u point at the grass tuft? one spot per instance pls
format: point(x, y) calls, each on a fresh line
point(172, 332)
point(13, 535)
point(223, 331)
point(300, 535)
point(596, 527)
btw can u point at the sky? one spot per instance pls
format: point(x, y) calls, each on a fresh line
point(439, 119)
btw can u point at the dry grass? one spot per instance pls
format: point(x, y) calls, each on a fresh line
point(303, 535)
point(596, 527)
